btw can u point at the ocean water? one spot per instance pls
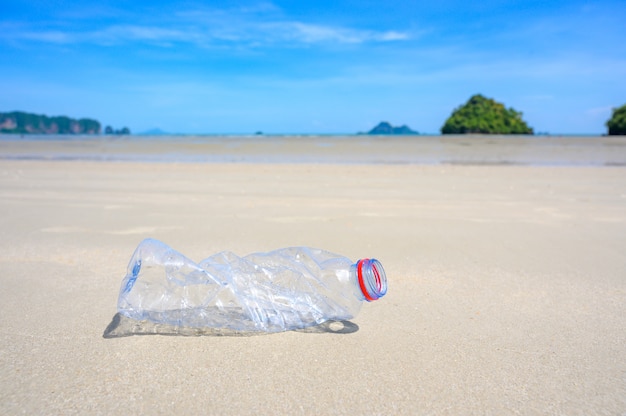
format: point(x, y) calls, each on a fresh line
point(348, 149)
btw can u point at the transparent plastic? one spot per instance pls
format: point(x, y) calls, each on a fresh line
point(281, 290)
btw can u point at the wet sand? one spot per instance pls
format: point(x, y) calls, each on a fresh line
point(362, 149)
point(507, 288)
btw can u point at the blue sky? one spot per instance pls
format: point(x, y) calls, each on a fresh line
point(312, 66)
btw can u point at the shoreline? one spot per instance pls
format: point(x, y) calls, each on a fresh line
point(358, 149)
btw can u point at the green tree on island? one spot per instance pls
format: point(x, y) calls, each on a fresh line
point(485, 116)
point(617, 122)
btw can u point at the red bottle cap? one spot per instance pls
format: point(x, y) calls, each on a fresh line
point(372, 279)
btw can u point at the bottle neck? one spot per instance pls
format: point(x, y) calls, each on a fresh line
point(371, 279)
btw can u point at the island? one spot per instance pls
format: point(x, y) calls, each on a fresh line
point(617, 123)
point(19, 122)
point(482, 115)
point(384, 128)
point(124, 131)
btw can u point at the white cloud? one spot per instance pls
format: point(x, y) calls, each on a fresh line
point(309, 33)
point(393, 35)
point(299, 32)
point(205, 27)
point(130, 33)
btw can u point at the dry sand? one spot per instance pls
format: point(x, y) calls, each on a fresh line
point(507, 288)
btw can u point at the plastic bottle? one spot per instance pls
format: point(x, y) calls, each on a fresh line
point(281, 290)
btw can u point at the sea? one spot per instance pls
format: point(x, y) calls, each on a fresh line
point(532, 150)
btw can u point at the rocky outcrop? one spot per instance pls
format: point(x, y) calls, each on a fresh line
point(19, 122)
point(386, 128)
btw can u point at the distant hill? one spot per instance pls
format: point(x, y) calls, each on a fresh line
point(386, 128)
point(19, 122)
point(154, 132)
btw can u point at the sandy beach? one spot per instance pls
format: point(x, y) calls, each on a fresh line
point(507, 287)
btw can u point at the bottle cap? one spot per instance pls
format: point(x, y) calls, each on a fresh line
point(372, 279)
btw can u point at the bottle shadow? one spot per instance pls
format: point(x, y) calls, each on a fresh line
point(122, 326)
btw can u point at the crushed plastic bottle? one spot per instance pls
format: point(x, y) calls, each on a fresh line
point(282, 290)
